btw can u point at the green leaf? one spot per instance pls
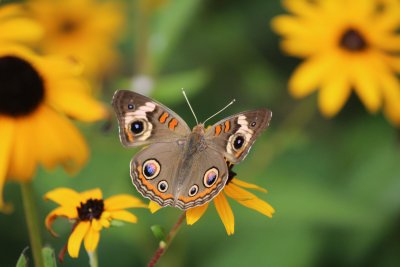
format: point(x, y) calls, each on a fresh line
point(49, 258)
point(23, 259)
point(158, 232)
point(168, 29)
point(117, 223)
point(168, 88)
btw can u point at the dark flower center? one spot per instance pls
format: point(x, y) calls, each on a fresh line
point(21, 87)
point(91, 209)
point(353, 41)
point(68, 26)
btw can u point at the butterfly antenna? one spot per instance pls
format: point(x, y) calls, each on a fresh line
point(187, 100)
point(230, 103)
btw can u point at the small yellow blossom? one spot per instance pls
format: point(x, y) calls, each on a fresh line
point(90, 214)
point(85, 30)
point(347, 46)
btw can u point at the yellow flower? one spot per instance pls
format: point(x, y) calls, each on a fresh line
point(90, 213)
point(83, 29)
point(347, 45)
point(15, 26)
point(36, 94)
point(233, 189)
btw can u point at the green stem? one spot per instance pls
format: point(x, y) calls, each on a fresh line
point(93, 259)
point(31, 217)
point(142, 31)
point(165, 244)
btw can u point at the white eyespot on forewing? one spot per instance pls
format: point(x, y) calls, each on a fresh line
point(140, 115)
point(241, 137)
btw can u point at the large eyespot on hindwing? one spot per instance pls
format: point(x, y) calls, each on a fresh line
point(151, 168)
point(162, 186)
point(193, 190)
point(210, 177)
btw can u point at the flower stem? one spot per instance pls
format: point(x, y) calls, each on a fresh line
point(32, 222)
point(165, 244)
point(93, 259)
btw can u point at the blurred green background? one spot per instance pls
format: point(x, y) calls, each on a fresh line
point(334, 183)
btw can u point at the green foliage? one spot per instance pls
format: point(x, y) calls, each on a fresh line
point(23, 259)
point(159, 232)
point(49, 258)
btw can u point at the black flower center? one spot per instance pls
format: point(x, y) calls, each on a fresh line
point(68, 26)
point(92, 209)
point(21, 87)
point(352, 40)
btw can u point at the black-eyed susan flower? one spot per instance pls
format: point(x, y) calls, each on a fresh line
point(84, 29)
point(36, 96)
point(90, 214)
point(347, 46)
point(233, 189)
point(16, 26)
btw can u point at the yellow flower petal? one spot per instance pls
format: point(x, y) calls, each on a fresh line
point(299, 7)
point(58, 141)
point(123, 215)
point(64, 196)
point(73, 98)
point(23, 157)
point(241, 183)
point(21, 30)
point(249, 200)
point(105, 223)
point(194, 214)
point(334, 93)
point(97, 225)
point(119, 202)
point(75, 239)
point(366, 86)
point(225, 213)
point(91, 194)
point(154, 207)
point(69, 212)
point(308, 76)
point(7, 131)
point(91, 239)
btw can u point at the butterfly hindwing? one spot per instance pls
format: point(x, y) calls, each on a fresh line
point(162, 173)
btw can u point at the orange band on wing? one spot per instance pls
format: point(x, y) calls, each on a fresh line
point(172, 124)
point(218, 130)
point(151, 187)
point(129, 135)
point(227, 126)
point(163, 117)
point(205, 192)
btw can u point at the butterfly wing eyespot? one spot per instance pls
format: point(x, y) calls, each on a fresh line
point(193, 190)
point(210, 177)
point(238, 141)
point(138, 127)
point(162, 186)
point(151, 169)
